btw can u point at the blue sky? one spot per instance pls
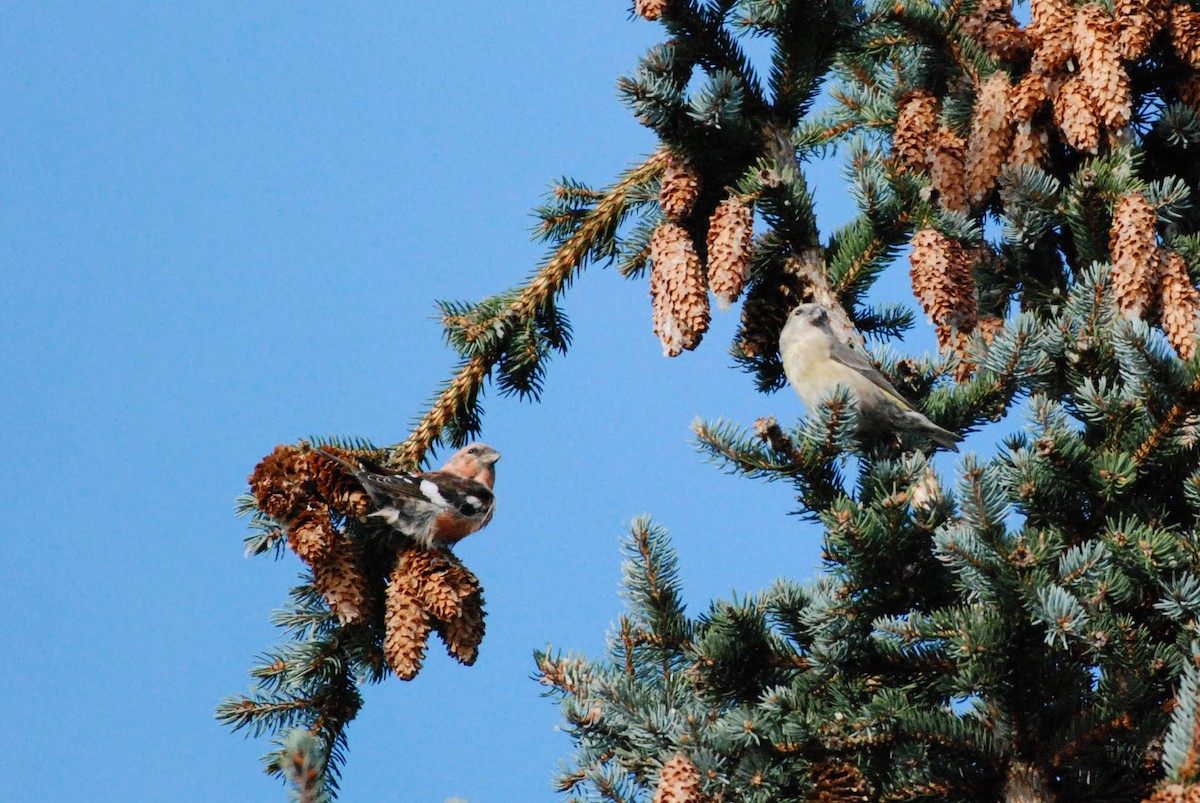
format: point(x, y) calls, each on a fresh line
point(224, 227)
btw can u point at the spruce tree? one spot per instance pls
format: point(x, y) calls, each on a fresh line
point(1020, 627)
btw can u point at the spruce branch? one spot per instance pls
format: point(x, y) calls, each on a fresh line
point(454, 408)
point(651, 579)
point(1174, 417)
point(1094, 739)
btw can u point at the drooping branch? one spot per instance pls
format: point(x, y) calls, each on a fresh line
point(460, 394)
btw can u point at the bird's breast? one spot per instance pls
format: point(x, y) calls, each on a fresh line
point(449, 528)
point(806, 363)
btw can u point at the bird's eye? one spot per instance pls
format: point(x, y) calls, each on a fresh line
point(472, 450)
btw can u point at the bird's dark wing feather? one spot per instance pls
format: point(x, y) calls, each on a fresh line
point(468, 497)
point(404, 486)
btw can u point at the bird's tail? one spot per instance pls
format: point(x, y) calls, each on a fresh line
point(942, 437)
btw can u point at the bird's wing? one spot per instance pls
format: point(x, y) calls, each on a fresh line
point(394, 486)
point(841, 353)
point(437, 489)
point(469, 498)
point(404, 486)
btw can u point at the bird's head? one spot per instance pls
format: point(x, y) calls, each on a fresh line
point(814, 314)
point(804, 318)
point(476, 461)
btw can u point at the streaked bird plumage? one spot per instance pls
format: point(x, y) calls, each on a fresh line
point(816, 361)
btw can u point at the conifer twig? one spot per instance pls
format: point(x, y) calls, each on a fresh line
point(1095, 738)
point(1160, 433)
point(458, 394)
point(463, 389)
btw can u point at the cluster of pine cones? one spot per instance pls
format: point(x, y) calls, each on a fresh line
point(679, 281)
point(943, 280)
point(1077, 84)
point(1073, 87)
point(1064, 80)
point(1146, 275)
point(421, 590)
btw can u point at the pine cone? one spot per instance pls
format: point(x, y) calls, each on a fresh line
point(994, 27)
point(680, 188)
point(1029, 145)
point(1179, 302)
point(406, 624)
point(1030, 94)
point(1030, 140)
point(445, 584)
point(991, 134)
point(957, 341)
point(336, 486)
point(916, 126)
point(649, 9)
point(1134, 248)
point(464, 633)
point(942, 282)
point(310, 535)
point(280, 483)
point(677, 290)
point(428, 569)
point(1050, 27)
point(1076, 117)
point(1183, 23)
point(947, 173)
point(1137, 23)
point(340, 580)
point(988, 326)
point(679, 782)
point(1100, 65)
point(730, 238)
